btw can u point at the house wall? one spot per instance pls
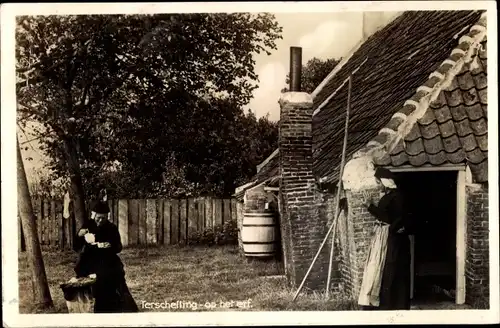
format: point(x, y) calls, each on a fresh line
point(477, 252)
point(359, 230)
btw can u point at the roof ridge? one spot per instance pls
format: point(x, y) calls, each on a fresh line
point(333, 72)
point(344, 60)
point(414, 108)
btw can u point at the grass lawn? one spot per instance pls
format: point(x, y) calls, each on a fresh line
point(187, 274)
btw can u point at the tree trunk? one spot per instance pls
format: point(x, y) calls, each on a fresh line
point(77, 192)
point(41, 291)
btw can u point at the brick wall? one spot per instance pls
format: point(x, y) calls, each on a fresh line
point(477, 258)
point(359, 228)
point(327, 210)
point(303, 224)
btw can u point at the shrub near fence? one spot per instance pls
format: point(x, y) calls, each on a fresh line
point(140, 221)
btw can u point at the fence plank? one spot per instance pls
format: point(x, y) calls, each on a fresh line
point(133, 227)
point(67, 231)
point(116, 215)
point(174, 223)
point(45, 222)
point(200, 202)
point(166, 221)
point(111, 211)
point(123, 221)
point(209, 215)
point(234, 209)
point(159, 221)
point(53, 223)
point(183, 221)
point(217, 212)
point(227, 210)
point(151, 221)
point(142, 222)
point(39, 214)
point(59, 224)
point(192, 216)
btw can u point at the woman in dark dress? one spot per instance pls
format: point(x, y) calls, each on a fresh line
point(395, 285)
point(99, 256)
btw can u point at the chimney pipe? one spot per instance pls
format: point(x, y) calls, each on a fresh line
point(295, 68)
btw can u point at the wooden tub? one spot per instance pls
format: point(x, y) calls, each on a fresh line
point(78, 295)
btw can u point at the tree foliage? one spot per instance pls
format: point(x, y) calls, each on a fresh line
point(313, 73)
point(161, 95)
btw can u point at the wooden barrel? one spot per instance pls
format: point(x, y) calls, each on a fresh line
point(259, 234)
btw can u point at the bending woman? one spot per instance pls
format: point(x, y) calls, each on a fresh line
point(102, 244)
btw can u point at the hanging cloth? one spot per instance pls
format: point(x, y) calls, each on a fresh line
point(67, 201)
point(372, 276)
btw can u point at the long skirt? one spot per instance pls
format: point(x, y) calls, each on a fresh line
point(372, 277)
point(112, 295)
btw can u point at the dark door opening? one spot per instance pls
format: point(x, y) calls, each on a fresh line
point(430, 200)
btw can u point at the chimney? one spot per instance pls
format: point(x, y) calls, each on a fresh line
point(295, 69)
point(301, 230)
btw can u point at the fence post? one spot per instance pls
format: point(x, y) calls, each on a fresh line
point(183, 221)
point(53, 223)
point(174, 235)
point(166, 221)
point(123, 221)
point(217, 212)
point(209, 215)
point(192, 216)
point(151, 222)
point(226, 211)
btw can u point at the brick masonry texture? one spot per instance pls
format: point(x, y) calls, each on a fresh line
point(359, 227)
point(304, 211)
point(477, 258)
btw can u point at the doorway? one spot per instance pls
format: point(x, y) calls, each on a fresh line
point(431, 203)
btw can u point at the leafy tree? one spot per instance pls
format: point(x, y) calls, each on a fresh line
point(96, 82)
point(313, 73)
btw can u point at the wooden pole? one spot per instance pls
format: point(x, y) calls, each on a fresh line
point(314, 260)
point(41, 291)
point(339, 185)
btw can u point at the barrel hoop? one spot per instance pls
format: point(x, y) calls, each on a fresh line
point(259, 214)
point(259, 225)
point(259, 242)
point(263, 253)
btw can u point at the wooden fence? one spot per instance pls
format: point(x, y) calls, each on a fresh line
point(140, 221)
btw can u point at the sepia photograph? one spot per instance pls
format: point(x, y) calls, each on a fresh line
point(245, 160)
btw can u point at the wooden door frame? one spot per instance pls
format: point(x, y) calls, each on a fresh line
point(461, 225)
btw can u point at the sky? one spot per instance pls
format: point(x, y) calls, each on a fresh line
point(321, 35)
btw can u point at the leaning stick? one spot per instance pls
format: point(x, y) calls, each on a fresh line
point(339, 185)
point(314, 260)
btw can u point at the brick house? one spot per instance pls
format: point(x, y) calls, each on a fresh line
point(418, 108)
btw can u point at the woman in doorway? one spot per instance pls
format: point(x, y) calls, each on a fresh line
point(395, 284)
point(102, 245)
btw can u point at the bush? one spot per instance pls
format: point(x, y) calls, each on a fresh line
point(226, 234)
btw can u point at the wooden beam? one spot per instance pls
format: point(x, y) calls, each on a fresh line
point(271, 189)
point(426, 168)
point(461, 237)
point(269, 158)
point(412, 265)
